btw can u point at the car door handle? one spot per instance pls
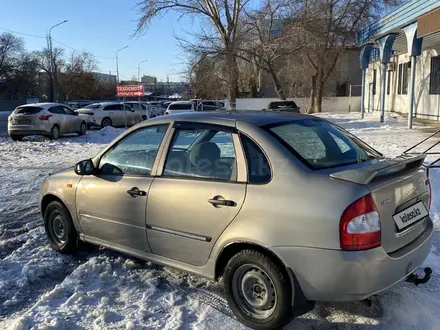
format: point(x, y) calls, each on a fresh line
point(135, 192)
point(220, 201)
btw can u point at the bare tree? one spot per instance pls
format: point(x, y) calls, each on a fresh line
point(76, 79)
point(44, 60)
point(330, 26)
point(10, 49)
point(272, 34)
point(221, 15)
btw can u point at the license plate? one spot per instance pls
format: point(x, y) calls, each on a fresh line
point(24, 121)
point(410, 215)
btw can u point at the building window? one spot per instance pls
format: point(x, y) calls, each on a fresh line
point(389, 82)
point(434, 76)
point(374, 81)
point(403, 78)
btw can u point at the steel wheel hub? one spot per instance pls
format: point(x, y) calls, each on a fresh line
point(58, 229)
point(254, 291)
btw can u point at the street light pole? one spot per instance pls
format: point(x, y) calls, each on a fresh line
point(51, 59)
point(139, 74)
point(117, 63)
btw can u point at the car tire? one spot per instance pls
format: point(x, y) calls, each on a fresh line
point(106, 122)
point(144, 118)
point(55, 132)
point(83, 129)
point(59, 228)
point(16, 137)
point(258, 290)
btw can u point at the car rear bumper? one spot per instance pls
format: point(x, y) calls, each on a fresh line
point(333, 275)
point(27, 131)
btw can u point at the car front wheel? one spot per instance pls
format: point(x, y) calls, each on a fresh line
point(59, 227)
point(55, 132)
point(83, 129)
point(106, 122)
point(258, 290)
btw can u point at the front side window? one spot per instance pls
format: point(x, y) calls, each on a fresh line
point(67, 111)
point(321, 144)
point(135, 154)
point(201, 153)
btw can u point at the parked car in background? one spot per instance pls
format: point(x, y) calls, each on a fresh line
point(155, 108)
point(210, 105)
point(289, 106)
point(140, 109)
point(179, 107)
point(104, 114)
point(287, 209)
point(47, 119)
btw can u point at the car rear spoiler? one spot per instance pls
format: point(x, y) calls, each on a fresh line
point(366, 174)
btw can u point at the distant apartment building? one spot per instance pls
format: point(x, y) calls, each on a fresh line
point(105, 77)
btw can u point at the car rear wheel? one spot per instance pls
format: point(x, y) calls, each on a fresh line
point(16, 137)
point(258, 290)
point(83, 129)
point(59, 227)
point(55, 132)
point(106, 122)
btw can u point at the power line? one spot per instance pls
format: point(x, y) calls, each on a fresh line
point(77, 50)
point(24, 34)
point(132, 67)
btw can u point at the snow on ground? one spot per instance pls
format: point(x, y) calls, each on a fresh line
point(102, 289)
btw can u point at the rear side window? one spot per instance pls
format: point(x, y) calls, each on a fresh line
point(113, 107)
point(320, 144)
point(179, 106)
point(57, 110)
point(27, 110)
point(257, 163)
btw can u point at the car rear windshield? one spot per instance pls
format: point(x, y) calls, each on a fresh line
point(28, 110)
point(320, 144)
point(282, 105)
point(179, 106)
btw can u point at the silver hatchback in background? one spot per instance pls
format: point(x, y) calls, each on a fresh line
point(47, 119)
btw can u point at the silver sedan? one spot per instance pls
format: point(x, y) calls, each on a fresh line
point(47, 119)
point(286, 208)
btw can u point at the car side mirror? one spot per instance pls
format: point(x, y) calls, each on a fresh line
point(85, 167)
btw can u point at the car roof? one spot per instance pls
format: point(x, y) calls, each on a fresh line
point(229, 118)
point(181, 102)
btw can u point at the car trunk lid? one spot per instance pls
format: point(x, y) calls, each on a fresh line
point(400, 190)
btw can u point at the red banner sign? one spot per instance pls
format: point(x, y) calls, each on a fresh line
point(129, 90)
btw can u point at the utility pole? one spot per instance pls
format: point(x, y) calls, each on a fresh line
point(139, 72)
point(117, 63)
point(52, 61)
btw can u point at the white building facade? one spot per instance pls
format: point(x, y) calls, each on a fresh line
point(400, 59)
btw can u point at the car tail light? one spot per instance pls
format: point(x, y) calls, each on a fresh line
point(45, 117)
point(360, 225)
point(429, 187)
point(166, 113)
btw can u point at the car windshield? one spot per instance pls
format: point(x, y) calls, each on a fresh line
point(179, 106)
point(27, 110)
point(321, 144)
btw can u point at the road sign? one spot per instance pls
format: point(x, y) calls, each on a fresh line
point(129, 90)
